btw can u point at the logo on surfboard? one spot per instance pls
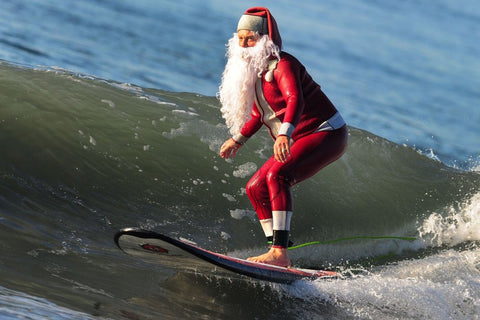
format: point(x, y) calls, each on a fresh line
point(154, 248)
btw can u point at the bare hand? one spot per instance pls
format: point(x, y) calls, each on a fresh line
point(229, 149)
point(281, 148)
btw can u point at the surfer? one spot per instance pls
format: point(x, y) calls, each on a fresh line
point(262, 85)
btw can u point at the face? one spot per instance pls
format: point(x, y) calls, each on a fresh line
point(247, 38)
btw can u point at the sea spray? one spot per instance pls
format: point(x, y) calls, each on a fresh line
point(458, 223)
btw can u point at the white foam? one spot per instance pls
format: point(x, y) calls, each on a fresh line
point(241, 213)
point(229, 197)
point(225, 235)
point(442, 286)
point(93, 141)
point(185, 113)
point(245, 170)
point(110, 103)
point(460, 223)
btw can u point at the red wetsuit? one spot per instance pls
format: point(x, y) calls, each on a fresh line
point(291, 104)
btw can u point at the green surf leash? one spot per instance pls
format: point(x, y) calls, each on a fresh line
point(353, 238)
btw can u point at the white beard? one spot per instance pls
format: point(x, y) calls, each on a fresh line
point(243, 68)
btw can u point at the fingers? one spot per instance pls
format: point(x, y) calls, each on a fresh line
point(229, 149)
point(282, 155)
point(225, 152)
point(281, 149)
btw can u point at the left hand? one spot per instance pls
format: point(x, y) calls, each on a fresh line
point(229, 149)
point(281, 148)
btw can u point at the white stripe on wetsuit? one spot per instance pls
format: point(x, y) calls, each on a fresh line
point(267, 226)
point(281, 220)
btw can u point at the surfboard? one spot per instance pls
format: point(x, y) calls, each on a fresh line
point(184, 255)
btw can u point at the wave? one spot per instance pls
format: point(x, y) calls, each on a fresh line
point(84, 157)
point(80, 146)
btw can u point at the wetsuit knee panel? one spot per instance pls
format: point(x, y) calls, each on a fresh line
point(275, 176)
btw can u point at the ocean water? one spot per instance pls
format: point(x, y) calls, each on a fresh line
point(108, 119)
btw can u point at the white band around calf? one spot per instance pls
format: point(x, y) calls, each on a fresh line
point(267, 226)
point(281, 220)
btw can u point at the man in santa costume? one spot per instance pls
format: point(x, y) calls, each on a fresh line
point(264, 86)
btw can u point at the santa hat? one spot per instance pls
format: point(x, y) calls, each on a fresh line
point(259, 19)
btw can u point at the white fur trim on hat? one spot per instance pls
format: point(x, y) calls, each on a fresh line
point(253, 23)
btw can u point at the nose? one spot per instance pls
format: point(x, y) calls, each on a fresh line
point(244, 43)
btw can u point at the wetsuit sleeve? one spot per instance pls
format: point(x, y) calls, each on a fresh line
point(250, 127)
point(288, 79)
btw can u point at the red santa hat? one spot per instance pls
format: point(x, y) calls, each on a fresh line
point(259, 19)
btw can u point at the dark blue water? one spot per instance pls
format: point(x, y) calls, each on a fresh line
point(108, 119)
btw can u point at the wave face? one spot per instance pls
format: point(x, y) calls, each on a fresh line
point(83, 157)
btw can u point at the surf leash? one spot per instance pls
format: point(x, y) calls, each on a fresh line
point(353, 238)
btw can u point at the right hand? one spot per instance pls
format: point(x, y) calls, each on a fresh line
point(229, 149)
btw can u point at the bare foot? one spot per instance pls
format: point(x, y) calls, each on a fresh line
point(276, 256)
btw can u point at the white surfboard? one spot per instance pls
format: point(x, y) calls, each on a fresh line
point(180, 254)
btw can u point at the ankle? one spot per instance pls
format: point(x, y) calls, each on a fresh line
point(278, 250)
point(280, 238)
